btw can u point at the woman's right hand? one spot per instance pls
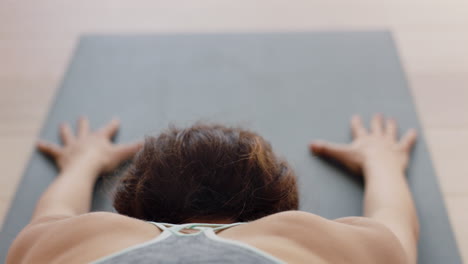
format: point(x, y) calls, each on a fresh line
point(378, 146)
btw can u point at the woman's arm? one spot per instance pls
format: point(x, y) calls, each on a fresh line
point(382, 160)
point(81, 159)
point(70, 193)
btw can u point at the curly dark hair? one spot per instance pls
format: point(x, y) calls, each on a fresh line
point(206, 171)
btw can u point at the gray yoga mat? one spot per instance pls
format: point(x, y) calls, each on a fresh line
point(290, 87)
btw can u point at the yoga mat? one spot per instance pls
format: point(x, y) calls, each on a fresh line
point(290, 87)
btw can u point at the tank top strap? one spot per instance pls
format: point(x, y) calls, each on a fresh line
point(160, 225)
point(176, 229)
point(226, 226)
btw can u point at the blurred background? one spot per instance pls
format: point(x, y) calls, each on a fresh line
point(37, 39)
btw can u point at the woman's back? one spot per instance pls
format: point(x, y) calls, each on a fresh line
point(292, 237)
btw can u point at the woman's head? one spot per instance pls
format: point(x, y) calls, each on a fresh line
point(206, 172)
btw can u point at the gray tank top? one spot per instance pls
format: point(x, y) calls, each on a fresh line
point(173, 246)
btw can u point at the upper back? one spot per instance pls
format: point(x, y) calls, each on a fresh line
point(292, 236)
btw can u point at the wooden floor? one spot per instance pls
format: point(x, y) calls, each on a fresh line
point(38, 37)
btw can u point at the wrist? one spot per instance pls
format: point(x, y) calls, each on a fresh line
point(381, 165)
point(89, 165)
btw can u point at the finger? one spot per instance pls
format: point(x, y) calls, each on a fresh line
point(408, 140)
point(327, 149)
point(49, 148)
point(83, 126)
point(127, 151)
point(391, 128)
point(110, 129)
point(377, 124)
point(357, 127)
point(66, 133)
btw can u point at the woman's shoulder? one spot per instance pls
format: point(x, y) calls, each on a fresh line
point(359, 238)
point(67, 237)
point(101, 221)
point(305, 222)
point(290, 220)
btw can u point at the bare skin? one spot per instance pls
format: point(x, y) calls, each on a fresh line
point(62, 230)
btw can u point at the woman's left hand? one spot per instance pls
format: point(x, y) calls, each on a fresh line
point(88, 148)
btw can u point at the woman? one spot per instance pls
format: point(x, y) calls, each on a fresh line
point(230, 180)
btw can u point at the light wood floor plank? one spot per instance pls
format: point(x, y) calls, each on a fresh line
point(449, 151)
point(458, 211)
point(442, 99)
